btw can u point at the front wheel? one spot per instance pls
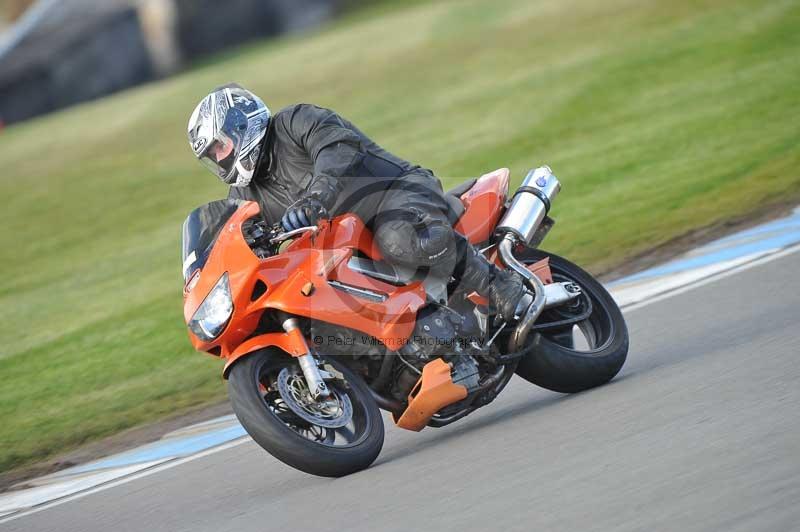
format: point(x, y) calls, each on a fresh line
point(331, 438)
point(580, 355)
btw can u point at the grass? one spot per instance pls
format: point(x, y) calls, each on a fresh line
point(659, 117)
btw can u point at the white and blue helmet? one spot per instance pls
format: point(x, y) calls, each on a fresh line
point(226, 131)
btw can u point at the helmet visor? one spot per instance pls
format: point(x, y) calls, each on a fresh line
point(223, 151)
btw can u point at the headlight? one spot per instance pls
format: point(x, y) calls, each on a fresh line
point(215, 311)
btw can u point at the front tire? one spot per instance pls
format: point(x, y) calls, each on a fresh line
point(555, 362)
point(315, 449)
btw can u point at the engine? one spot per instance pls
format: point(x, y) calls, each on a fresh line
point(440, 332)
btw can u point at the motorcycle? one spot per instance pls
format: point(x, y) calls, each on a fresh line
point(318, 333)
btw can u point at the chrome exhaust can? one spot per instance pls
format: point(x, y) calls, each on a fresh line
point(530, 204)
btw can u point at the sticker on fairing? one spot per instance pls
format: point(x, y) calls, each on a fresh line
point(199, 144)
point(190, 259)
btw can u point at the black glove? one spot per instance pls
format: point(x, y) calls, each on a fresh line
point(303, 213)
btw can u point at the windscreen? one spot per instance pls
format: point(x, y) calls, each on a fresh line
point(200, 231)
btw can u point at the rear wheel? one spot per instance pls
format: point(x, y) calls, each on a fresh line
point(581, 354)
point(330, 438)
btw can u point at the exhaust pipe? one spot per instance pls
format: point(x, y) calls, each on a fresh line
point(506, 250)
point(528, 209)
point(530, 204)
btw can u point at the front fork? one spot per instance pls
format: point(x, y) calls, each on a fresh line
point(308, 364)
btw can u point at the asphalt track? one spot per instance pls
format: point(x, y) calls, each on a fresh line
point(701, 431)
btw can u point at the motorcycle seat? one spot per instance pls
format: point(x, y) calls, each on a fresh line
point(461, 188)
point(453, 197)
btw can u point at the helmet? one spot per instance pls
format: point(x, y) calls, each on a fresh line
point(226, 130)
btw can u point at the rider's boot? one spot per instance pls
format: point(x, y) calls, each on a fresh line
point(505, 289)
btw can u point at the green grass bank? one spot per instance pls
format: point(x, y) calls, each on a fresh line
point(658, 117)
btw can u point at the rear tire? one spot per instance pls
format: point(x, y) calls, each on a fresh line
point(249, 392)
point(555, 363)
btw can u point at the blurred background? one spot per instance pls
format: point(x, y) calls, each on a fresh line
point(663, 120)
point(61, 52)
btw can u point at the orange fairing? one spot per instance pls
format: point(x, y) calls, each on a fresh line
point(291, 342)
point(299, 281)
point(434, 391)
point(230, 254)
point(484, 203)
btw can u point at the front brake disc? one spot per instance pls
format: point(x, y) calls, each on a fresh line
point(333, 412)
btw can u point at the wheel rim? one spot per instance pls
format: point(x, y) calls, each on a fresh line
point(321, 423)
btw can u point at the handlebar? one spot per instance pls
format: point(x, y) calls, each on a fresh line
point(289, 234)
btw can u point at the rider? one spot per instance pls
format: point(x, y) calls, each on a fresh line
point(306, 163)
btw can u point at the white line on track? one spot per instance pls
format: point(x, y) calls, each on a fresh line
point(235, 443)
point(712, 278)
point(125, 480)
